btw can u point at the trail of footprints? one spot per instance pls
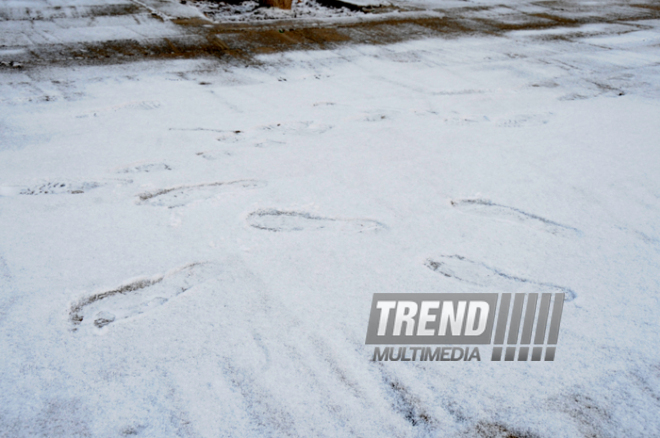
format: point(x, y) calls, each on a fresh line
point(137, 296)
point(145, 294)
point(480, 274)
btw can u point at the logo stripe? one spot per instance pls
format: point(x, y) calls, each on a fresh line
point(553, 334)
point(550, 354)
point(529, 319)
point(514, 327)
point(505, 303)
point(543, 318)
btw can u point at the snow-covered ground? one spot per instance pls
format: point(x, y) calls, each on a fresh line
point(250, 11)
point(190, 249)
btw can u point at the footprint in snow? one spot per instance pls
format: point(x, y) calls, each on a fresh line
point(256, 134)
point(137, 296)
point(267, 143)
point(524, 120)
point(61, 187)
point(483, 207)
point(232, 137)
point(213, 155)
point(185, 194)
point(463, 120)
point(144, 168)
point(375, 117)
point(458, 92)
point(304, 127)
point(468, 271)
point(280, 220)
point(222, 154)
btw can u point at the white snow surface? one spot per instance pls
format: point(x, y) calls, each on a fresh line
point(190, 249)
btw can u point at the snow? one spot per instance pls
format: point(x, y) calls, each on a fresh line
point(227, 228)
point(250, 11)
point(33, 23)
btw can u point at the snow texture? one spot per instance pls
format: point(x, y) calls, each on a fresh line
point(193, 260)
point(250, 11)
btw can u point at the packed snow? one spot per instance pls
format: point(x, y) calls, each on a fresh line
point(190, 248)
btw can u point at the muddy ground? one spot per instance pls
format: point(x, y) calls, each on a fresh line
point(241, 42)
